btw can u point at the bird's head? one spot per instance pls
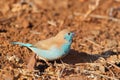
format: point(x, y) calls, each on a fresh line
point(65, 35)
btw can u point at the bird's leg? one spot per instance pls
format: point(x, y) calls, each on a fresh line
point(55, 63)
point(62, 70)
point(49, 64)
point(62, 63)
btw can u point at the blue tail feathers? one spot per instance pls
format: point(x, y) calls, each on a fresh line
point(22, 44)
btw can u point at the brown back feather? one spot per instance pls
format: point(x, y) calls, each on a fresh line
point(57, 41)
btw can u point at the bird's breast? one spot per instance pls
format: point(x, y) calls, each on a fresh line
point(66, 47)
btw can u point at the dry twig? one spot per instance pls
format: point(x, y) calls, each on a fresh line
point(94, 43)
point(93, 72)
point(114, 65)
point(92, 7)
point(99, 16)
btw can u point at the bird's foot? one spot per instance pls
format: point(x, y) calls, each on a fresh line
point(49, 64)
point(61, 63)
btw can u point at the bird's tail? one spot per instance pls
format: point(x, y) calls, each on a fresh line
point(22, 44)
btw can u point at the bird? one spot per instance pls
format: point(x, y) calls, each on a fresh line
point(52, 48)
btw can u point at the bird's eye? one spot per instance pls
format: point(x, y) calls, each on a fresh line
point(68, 33)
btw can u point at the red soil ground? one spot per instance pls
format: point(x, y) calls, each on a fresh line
point(95, 52)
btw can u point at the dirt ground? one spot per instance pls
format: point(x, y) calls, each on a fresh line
point(95, 51)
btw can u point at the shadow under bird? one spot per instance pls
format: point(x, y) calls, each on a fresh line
point(53, 48)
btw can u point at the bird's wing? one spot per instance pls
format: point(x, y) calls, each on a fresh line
point(57, 41)
point(45, 44)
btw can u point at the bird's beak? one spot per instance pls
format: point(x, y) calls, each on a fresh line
point(73, 34)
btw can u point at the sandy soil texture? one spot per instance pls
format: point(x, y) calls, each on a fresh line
point(95, 51)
